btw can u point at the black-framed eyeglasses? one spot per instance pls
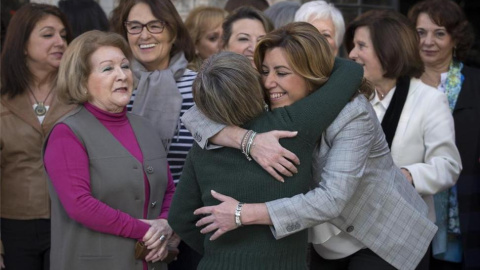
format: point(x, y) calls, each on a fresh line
point(154, 27)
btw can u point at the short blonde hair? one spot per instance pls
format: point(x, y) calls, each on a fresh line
point(307, 51)
point(228, 89)
point(198, 22)
point(75, 67)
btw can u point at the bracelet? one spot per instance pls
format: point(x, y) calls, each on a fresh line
point(250, 144)
point(243, 145)
point(247, 141)
point(238, 221)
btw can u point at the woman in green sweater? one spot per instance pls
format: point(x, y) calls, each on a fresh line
point(228, 90)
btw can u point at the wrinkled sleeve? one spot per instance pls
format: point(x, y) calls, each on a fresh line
point(345, 166)
point(201, 127)
point(67, 165)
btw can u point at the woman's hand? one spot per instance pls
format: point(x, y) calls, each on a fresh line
point(174, 240)
point(273, 158)
point(156, 239)
point(219, 217)
point(2, 266)
point(408, 175)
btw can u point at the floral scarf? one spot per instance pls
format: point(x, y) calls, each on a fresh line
point(446, 244)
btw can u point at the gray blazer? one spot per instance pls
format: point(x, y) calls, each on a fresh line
point(361, 191)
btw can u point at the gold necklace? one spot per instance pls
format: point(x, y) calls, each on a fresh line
point(40, 109)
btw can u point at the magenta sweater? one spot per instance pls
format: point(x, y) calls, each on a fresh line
point(66, 162)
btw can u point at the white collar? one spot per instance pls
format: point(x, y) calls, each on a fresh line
point(386, 100)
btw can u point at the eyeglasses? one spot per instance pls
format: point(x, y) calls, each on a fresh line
point(154, 27)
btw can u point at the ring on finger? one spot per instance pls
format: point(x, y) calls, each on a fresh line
point(162, 238)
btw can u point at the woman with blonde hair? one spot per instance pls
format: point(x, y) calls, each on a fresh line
point(228, 89)
point(110, 184)
point(205, 27)
point(357, 191)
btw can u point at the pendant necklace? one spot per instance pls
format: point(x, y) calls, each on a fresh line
point(40, 109)
point(381, 95)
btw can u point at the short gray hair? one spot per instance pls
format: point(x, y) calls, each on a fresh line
point(315, 10)
point(282, 13)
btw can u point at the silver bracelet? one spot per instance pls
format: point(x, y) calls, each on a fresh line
point(238, 211)
point(244, 144)
point(249, 144)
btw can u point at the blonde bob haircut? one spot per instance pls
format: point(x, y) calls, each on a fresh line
point(201, 20)
point(228, 89)
point(308, 52)
point(75, 67)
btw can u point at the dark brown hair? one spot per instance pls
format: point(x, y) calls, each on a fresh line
point(448, 14)
point(231, 5)
point(15, 75)
point(394, 40)
point(245, 12)
point(163, 10)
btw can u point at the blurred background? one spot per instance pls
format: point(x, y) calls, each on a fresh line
point(349, 8)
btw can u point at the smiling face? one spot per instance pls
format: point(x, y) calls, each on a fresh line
point(46, 44)
point(110, 81)
point(364, 54)
point(327, 29)
point(210, 42)
point(282, 84)
point(244, 38)
point(151, 50)
point(436, 44)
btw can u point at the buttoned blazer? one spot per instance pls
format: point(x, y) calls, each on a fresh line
point(361, 192)
point(424, 142)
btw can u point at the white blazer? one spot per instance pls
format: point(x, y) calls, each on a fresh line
point(424, 142)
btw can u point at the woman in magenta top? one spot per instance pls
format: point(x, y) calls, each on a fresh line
point(111, 184)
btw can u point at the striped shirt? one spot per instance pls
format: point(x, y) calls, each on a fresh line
point(182, 141)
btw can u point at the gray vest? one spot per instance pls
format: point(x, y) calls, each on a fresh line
point(116, 179)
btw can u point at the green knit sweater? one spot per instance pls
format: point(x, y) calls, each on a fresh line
point(227, 171)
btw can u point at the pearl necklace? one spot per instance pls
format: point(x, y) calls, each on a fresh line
point(380, 94)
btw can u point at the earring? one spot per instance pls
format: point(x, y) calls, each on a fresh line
point(454, 51)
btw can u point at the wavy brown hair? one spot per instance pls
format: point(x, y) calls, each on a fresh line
point(448, 14)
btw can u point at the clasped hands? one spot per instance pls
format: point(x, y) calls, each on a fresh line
point(154, 241)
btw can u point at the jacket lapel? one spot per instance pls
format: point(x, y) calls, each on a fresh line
point(21, 107)
point(466, 99)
